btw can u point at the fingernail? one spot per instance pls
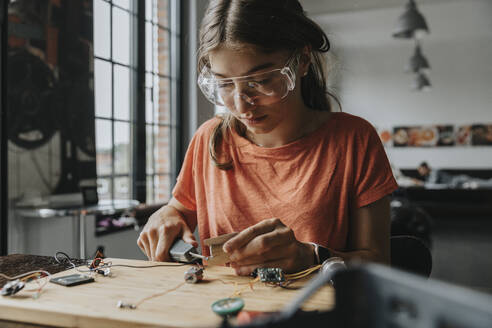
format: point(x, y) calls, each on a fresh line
point(226, 248)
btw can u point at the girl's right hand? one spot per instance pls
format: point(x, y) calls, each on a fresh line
point(161, 230)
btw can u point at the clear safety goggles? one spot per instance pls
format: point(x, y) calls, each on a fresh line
point(258, 89)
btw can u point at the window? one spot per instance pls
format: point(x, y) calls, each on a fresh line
point(126, 124)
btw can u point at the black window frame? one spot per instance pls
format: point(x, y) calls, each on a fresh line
point(3, 130)
point(138, 174)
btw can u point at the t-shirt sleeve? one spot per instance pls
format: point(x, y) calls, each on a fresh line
point(373, 176)
point(184, 190)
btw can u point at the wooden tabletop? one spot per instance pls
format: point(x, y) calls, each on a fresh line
point(189, 305)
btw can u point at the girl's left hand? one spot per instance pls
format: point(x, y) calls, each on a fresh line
point(268, 244)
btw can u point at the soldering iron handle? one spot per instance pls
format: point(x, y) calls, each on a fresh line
point(327, 271)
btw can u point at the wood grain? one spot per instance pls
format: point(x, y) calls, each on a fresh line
point(94, 304)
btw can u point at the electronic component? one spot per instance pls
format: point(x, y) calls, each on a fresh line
point(184, 252)
point(228, 306)
point(193, 275)
point(72, 280)
point(270, 274)
point(105, 272)
point(12, 287)
point(123, 305)
point(96, 261)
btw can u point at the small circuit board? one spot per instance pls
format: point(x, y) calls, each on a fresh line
point(270, 274)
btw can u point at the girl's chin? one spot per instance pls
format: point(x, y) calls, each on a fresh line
point(256, 121)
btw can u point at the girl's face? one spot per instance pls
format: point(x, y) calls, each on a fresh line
point(259, 119)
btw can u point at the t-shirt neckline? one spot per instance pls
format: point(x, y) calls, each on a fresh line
point(303, 142)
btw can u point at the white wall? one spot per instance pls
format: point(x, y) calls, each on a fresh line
point(46, 236)
point(374, 85)
point(196, 109)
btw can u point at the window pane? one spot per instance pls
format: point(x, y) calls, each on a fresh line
point(104, 144)
point(162, 150)
point(162, 12)
point(149, 130)
point(154, 11)
point(122, 3)
point(102, 77)
point(162, 188)
point(122, 154)
point(121, 36)
point(122, 188)
point(162, 100)
point(121, 92)
point(149, 46)
point(148, 9)
point(104, 187)
point(150, 189)
point(101, 29)
point(162, 64)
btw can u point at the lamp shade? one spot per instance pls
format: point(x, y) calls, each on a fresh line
point(417, 62)
point(422, 83)
point(411, 23)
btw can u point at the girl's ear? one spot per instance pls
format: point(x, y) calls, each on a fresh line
point(305, 60)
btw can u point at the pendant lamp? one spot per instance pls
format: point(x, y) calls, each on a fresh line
point(418, 62)
point(422, 83)
point(411, 23)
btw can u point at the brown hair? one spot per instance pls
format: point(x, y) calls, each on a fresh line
point(270, 25)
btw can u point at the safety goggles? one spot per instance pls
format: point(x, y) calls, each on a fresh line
point(258, 89)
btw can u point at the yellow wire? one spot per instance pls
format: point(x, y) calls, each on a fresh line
point(250, 283)
point(302, 274)
point(309, 270)
point(158, 294)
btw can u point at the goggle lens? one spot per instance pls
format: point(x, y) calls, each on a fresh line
point(257, 89)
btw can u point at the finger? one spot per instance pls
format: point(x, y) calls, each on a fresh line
point(167, 235)
point(161, 253)
point(276, 253)
point(153, 240)
point(140, 243)
point(248, 234)
point(265, 243)
point(188, 236)
point(143, 243)
point(166, 246)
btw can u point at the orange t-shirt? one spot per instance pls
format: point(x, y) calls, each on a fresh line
point(311, 184)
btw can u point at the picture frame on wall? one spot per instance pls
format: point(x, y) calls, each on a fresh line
point(440, 135)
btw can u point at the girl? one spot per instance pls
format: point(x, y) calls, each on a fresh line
point(299, 182)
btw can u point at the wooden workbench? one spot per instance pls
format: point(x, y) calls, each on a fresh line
point(94, 304)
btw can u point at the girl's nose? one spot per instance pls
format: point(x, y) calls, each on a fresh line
point(243, 103)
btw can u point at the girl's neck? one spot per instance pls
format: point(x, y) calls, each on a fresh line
point(300, 123)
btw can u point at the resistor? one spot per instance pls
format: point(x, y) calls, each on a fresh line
point(123, 305)
point(193, 275)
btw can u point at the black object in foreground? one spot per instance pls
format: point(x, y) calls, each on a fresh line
point(72, 280)
point(376, 296)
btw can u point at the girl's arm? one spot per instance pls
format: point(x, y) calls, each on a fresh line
point(369, 233)
point(162, 229)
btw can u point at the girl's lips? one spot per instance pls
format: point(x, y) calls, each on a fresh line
point(255, 120)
